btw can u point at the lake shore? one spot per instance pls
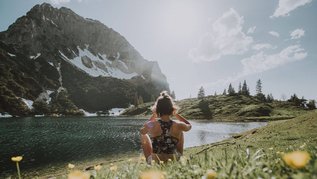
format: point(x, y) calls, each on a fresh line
point(277, 137)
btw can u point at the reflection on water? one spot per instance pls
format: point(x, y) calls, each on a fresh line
point(202, 136)
point(204, 133)
point(45, 142)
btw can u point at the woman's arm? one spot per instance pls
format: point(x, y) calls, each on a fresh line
point(185, 126)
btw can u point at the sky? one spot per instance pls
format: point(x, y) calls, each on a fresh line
point(210, 43)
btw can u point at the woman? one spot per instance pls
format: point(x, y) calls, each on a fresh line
point(163, 139)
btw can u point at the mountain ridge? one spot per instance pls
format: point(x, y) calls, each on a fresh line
point(68, 49)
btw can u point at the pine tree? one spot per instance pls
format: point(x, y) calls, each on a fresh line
point(259, 93)
point(294, 99)
point(245, 90)
point(258, 87)
point(240, 89)
point(231, 90)
point(40, 107)
point(201, 93)
point(215, 94)
point(269, 98)
point(224, 92)
point(173, 95)
point(311, 105)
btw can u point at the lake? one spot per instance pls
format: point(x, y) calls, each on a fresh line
point(46, 141)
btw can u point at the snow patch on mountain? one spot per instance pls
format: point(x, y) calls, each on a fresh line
point(28, 103)
point(45, 96)
point(99, 65)
point(88, 114)
point(5, 115)
point(11, 55)
point(116, 111)
point(35, 57)
point(51, 63)
point(60, 79)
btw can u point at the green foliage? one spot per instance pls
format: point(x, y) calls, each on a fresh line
point(231, 91)
point(311, 105)
point(11, 103)
point(261, 97)
point(204, 107)
point(40, 107)
point(296, 101)
point(201, 93)
point(253, 154)
point(258, 87)
point(240, 88)
point(269, 98)
point(224, 92)
point(245, 90)
point(255, 110)
point(235, 162)
point(61, 104)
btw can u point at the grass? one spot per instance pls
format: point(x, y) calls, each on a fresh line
point(253, 154)
point(228, 108)
point(257, 153)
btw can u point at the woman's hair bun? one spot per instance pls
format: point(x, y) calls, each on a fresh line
point(164, 94)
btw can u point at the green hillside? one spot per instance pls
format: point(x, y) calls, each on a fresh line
point(229, 108)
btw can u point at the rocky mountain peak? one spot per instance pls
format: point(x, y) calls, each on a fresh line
point(79, 49)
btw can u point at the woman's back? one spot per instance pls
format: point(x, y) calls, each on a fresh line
point(163, 139)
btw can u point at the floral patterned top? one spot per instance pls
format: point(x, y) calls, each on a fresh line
point(164, 143)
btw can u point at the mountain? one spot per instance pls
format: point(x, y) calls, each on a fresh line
point(51, 50)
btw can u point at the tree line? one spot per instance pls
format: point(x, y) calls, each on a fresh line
point(245, 91)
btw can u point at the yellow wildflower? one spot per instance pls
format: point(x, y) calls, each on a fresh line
point(71, 166)
point(161, 162)
point(113, 168)
point(78, 175)
point(169, 160)
point(142, 158)
point(271, 148)
point(97, 167)
point(17, 158)
point(153, 162)
point(130, 160)
point(296, 159)
point(211, 174)
point(152, 175)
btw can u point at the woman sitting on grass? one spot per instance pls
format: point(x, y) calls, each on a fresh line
point(163, 139)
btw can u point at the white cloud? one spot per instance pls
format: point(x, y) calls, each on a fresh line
point(297, 33)
point(251, 30)
point(225, 37)
point(275, 34)
point(286, 6)
point(261, 62)
point(261, 46)
point(57, 2)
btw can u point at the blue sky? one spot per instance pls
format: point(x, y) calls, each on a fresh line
point(210, 43)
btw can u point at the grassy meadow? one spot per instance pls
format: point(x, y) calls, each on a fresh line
point(267, 152)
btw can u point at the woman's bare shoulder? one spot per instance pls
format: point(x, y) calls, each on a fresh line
point(177, 122)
